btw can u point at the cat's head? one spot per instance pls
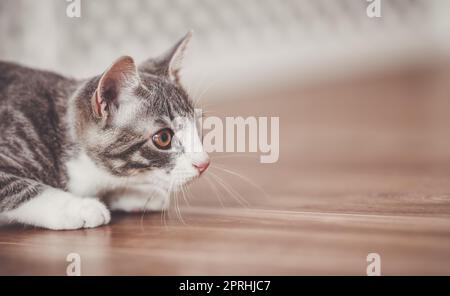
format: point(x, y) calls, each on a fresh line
point(139, 121)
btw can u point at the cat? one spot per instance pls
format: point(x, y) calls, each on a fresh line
point(72, 150)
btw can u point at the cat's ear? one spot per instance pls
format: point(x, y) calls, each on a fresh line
point(121, 76)
point(169, 63)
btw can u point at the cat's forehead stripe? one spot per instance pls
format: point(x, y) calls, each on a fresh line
point(164, 98)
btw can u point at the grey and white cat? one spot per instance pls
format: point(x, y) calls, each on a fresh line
point(71, 151)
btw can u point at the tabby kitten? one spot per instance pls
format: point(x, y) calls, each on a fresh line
point(72, 150)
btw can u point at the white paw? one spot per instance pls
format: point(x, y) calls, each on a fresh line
point(94, 213)
point(85, 213)
point(59, 210)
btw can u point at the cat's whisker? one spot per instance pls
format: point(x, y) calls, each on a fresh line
point(177, 208)
point(169, 192)
point(175, 203)
point(214, 189)
point(197, 97)
point(233, 155)
point(164, 218)
point(183, 188)
point(205, 90)
point(165, 215)
point(183, 192)
point(197, 87)
point(150, 199)
point(236, 195)
point(188, 192)
point(175, 198)
point(161, 216)
point(248, 180)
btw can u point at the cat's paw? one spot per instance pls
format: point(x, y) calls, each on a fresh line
point(85, 213)
point(59, 210)
point(94, 213)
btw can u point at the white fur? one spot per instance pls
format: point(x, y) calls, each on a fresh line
point(88, 179)
point(139, 198)
point(59, 210)
point(194, 152)
point(128, 107)
point(147, 191)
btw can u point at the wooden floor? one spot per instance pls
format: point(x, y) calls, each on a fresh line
point(364, 167)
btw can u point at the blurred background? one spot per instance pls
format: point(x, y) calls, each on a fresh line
point(364, 108)
point(237, 44)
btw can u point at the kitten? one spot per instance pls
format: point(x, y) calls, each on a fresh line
point(71, 150)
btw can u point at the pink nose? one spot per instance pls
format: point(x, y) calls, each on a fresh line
point(201, 167)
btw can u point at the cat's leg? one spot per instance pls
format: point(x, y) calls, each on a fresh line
point(50, 207)
point(138, 199)
point(58, 210)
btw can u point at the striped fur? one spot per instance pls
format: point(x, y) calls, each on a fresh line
point(50, 133)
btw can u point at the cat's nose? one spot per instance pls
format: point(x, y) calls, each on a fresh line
point(201, 167)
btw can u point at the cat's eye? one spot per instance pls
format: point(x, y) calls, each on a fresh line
point(163, 139)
